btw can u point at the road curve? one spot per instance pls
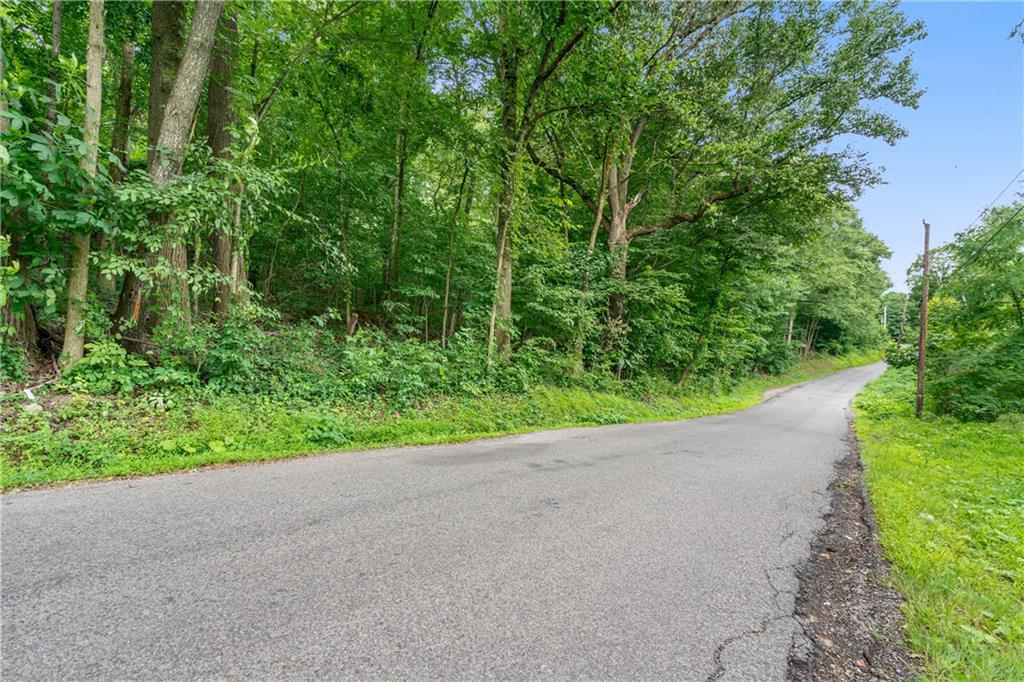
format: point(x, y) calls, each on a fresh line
point(643, 551)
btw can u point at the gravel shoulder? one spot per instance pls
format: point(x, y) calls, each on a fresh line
point(851, 626)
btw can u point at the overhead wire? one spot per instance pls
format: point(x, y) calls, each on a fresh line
point(999, 88)
point(988, 241)
point(1001, 193)
point(974, 256)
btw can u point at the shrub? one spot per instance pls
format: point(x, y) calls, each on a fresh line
point(12, 363)
point(777, 358)
point(980, 383)
point(107, 368)
point(900, 354)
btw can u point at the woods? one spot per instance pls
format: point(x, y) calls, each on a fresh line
point(632, 189)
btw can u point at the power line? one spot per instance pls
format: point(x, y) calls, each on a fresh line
point(992, 236)
point(995, 96)
point(1001, 193)
point(999, 88)
point(999, 229)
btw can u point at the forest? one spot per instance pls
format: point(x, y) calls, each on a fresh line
point(389, 200)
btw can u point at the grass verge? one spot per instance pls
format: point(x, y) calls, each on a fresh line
point(88, 437)
point(949, 500)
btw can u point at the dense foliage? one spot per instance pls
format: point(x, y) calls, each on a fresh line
point(975, 351)
point(83, 435)
point(947, 498)
point(384, 201)
point(977, 317)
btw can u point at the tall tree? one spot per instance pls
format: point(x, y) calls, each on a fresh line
point(168, 154)
point(521, 110)
point(56, 33)
point(119, 140)
point(78, 278)
point(167, 24)
point(402, 150)
point(220, 117)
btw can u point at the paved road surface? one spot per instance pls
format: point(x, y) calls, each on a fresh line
point(646, 551)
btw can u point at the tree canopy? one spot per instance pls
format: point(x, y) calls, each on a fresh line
point(626, 189)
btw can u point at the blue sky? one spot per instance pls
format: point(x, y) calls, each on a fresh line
point(966, 139)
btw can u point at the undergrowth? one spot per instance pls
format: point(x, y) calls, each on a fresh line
point(81, 435)
point(949, 498)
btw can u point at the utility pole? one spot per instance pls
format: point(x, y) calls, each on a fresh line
point(922, 339)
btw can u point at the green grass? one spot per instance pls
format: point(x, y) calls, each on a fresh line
point(89, 437)
point(949, 498)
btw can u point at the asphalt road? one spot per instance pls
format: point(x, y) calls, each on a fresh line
point(646, 551)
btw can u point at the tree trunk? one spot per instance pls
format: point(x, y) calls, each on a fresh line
point(123, 112)
point(167, 24)
point(239, 271)
point(56, 32)
point(175, 131)
point(343, 239)
point(501, 305)
point(78, 279)
point(618, 237)
point(451, 256)
point(426, 320)
point(447, 291)
point(811, 335)
point(176, 126)
point(167, 43)
point(602, 198)
point(789, 327)
point(618, 247)
point(401, 162)
point(621, 206)
point(456, 318)
point(24, 323)
point(119, 145)
point(398, 209)
point(220, 117)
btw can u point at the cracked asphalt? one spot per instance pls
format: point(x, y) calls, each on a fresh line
point(644, 551)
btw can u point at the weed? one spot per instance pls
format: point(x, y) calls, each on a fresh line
point(100, 436)
point(949, 498)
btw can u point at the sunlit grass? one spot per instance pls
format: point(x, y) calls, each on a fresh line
point(949, 498)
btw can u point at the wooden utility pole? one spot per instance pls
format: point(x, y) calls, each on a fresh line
point(922, 339)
